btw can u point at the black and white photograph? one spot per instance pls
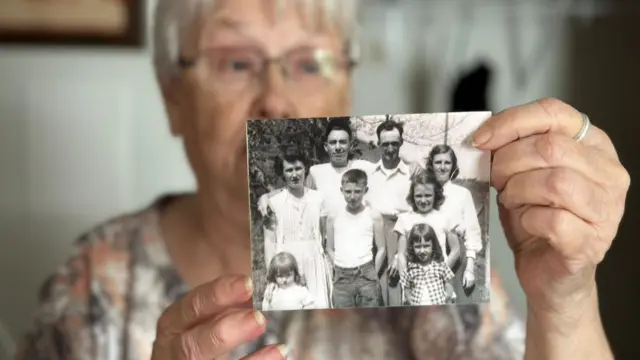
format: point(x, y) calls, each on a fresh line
point(368, 211)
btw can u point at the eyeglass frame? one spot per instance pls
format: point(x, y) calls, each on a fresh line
point(348, 64)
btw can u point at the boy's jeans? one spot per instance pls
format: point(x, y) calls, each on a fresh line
point(356, 287)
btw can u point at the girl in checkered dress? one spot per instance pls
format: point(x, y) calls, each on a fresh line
point(427, 278)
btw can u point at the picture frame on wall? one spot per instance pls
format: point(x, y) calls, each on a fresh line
point(72, 22)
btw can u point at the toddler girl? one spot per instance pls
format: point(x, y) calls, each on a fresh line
point(427, 278)
point(286, 289)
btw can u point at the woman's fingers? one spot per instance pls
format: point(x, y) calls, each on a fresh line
point(209, 321)
point(468, 279)
point(218, 336)
point(552, 150)
point(558, 188)
point(204, 302)
point(271, 352)
point(569, 235)
point(542, 116)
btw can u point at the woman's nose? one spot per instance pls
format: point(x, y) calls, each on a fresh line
point(273, 101)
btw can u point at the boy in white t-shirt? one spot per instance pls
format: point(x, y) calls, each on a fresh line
point(352, 232)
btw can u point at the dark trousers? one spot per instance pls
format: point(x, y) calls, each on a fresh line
point(356, 287)
point(391, 291)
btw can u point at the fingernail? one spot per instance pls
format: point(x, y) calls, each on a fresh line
point(243, 284)
point(501, 198)
point(480, 137)
point(248, 284)
point(259, 318)
point(284, 350)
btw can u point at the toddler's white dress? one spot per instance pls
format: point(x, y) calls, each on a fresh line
point(295, 297)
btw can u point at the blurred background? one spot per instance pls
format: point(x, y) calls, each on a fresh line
point(83, 136)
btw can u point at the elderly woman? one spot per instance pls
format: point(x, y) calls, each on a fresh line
point(170, 281)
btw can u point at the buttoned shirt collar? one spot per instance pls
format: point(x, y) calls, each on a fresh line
point(402, 167)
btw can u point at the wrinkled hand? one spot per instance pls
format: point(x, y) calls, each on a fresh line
point(209, 322)
point(560, 200)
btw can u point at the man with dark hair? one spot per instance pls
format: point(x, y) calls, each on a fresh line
point(327, 177)
point(389, 182)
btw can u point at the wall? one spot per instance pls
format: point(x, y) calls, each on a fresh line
point(605, 77)
point(83, 136)
point(80, 140)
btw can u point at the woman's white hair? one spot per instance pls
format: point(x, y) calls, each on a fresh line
point(173, 20)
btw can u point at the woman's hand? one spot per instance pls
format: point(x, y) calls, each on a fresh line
point(453, 257)
point(560, 202)
point(468, 278)
point(210, 321)
point(450, 294)
point(398, 266)
point(263, 205)
point(393, 267)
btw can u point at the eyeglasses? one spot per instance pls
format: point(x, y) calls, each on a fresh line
point(236, 68)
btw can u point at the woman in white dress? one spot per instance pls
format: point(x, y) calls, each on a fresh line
point(460, 210)
point(295, 226)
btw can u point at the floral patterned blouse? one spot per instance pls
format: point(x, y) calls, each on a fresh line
point(104, 302)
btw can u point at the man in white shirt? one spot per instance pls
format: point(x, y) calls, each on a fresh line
point(327, 177)
point(388, 189)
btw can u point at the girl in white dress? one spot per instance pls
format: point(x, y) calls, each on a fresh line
point(286, 288)
point(426, 197)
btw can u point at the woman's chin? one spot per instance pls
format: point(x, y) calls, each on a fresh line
point(233, 187)
point(442, 178)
